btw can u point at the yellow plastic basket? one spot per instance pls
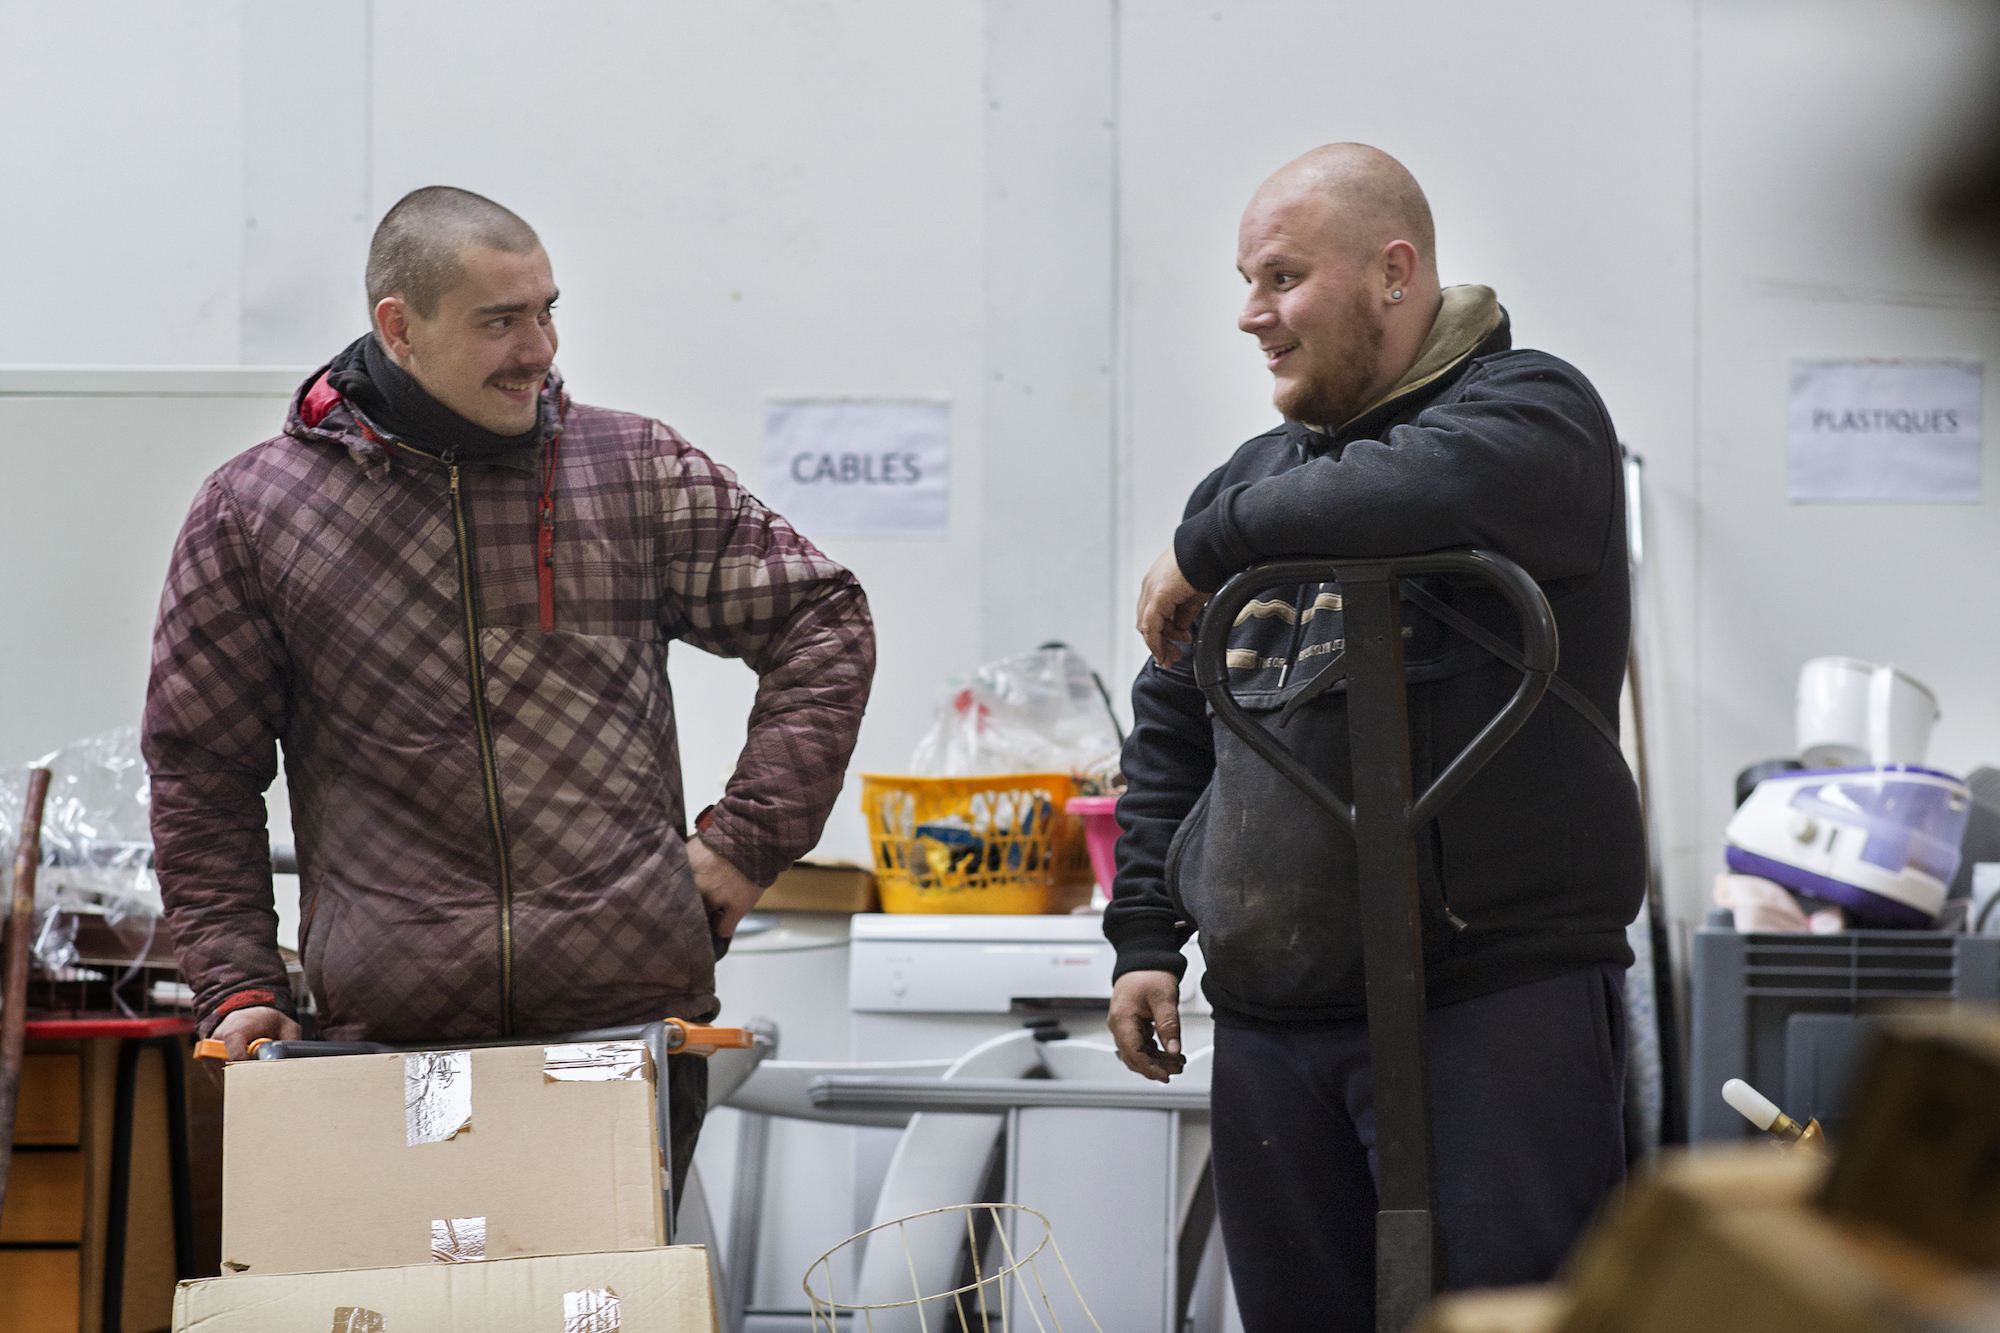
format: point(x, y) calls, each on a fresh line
point(999, 843)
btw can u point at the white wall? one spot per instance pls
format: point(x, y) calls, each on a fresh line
point(740, 201)
point(111, 460)
point(121, 214)
point(830, 196)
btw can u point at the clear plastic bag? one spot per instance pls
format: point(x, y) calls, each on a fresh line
point(1037, 712)
point(97, 847)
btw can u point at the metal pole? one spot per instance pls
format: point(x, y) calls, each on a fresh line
point(1406, 1250)
point(746, 1217)
point(1666, 1008)
point(14, 983)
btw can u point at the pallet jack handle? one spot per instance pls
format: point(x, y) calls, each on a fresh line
point(693, 1039)
point(682, 1038)
point(210, 1048)
point(1384, 818)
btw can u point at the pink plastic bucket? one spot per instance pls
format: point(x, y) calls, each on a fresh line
point(1100, 834)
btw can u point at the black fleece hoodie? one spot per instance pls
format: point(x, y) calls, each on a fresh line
point(1537, 866)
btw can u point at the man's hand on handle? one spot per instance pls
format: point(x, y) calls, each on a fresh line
point(240, 1027)
point(1145, 1020)
point(724, 890)
point(1168, 607)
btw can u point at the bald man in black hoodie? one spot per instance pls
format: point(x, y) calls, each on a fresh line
point(1412, 424)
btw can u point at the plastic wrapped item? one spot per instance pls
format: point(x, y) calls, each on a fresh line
point(53, 943)
point(97, 849)
point(1038, 712)
point(1761, 905)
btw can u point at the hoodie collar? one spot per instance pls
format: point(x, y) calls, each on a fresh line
point(1470, 320)
point(318, 412)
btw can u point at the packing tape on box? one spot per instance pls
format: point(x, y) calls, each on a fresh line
point(595, 1061)
point(592, 1310)
point(437, 1095)
point(458, 1240)
point(355, 1319)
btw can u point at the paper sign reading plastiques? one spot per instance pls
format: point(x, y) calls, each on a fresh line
point(859, 467)
point(1886, 431)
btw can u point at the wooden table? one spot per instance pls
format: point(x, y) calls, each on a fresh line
point(100, 1219)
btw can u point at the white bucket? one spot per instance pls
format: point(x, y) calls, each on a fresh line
point(1853, 713)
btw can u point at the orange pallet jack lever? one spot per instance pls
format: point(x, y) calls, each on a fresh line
point(694, 1039)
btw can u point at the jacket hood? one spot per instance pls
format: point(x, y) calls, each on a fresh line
point(1466, 318)
point(319, 413)
point(1470, 322)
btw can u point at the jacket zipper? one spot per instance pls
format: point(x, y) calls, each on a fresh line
point(489, 771)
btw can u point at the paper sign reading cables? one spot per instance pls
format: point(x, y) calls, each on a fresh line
point(858, 467)
point(437, 1095)
point(1885, 431)
point(458, 1240)
point(595, 1061)
point(592, 1310)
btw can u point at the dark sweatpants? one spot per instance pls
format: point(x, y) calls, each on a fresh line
point(1527, 1097)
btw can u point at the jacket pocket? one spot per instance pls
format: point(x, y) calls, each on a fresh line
point(1272, 881)
point(1267, 877)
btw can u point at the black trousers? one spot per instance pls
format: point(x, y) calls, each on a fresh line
point(1527, 1110)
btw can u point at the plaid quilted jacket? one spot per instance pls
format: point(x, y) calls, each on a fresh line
point(465, 665)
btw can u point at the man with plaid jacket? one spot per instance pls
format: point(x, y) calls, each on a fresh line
point(447, 591)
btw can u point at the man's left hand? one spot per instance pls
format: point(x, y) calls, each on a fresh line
point(725, 892)
point(1168, 607)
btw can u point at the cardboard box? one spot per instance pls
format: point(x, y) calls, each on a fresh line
point(1727, 1241)
point(1621, 1265)
point(369, 1161)
point(821, 886)
point(1921, 1143)
point(1509, 1310)
point(660, 1290)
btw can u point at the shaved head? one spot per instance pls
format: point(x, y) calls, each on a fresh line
point(1370, 198)
point(464, 301)
point(1338, 250)
point(416, 253)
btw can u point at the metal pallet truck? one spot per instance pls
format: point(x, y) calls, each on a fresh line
point(664, 1038)
point(1384, 818)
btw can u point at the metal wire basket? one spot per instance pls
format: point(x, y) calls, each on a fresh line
point(1002, 1286)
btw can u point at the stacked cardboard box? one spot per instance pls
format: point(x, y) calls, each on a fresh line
point(822, 886)
point(1900, 1234)
point(627, 1291)
point(516, 1186)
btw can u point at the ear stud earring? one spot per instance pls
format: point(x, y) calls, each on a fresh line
point(1396, 295)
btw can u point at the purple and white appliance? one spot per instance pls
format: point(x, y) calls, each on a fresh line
point(1883, 843)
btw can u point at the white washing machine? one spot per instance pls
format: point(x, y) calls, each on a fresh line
point(933, 987)
point(912, 990)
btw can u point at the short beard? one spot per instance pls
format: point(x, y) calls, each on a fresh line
point(1335, 394)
